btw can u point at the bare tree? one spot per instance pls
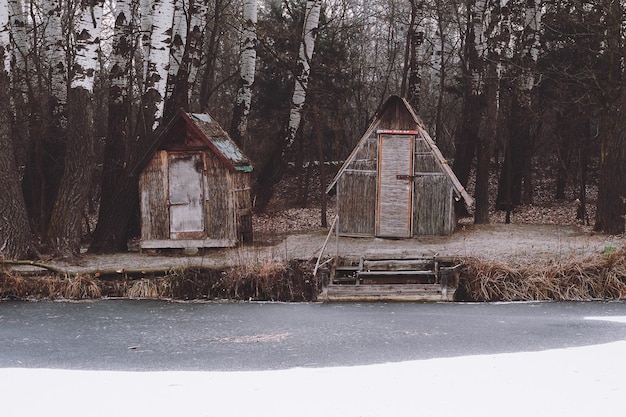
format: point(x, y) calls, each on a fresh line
point(119, 189)
point(611, 210)
point(15, 237)
point(65, 230)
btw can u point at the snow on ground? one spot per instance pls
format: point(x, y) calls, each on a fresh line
point(581, 381)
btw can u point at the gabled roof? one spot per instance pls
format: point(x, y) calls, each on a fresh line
point(391, 104)
point(199, 129)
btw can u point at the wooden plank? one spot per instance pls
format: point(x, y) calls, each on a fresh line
point(182, 244)
point(394, 273)
point(153, 194)
point(408, 292)
point(397, 264)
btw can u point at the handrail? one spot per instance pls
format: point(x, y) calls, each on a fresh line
point(319, 258)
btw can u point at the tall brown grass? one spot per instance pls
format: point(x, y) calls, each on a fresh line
point(602, 276)
point(267, 280)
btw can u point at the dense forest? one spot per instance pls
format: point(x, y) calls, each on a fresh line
point(86, 85)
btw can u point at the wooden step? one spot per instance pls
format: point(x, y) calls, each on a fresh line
point(403, 292)
point(393, 273)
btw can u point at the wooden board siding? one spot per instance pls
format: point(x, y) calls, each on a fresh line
point(153, 193)
point(243, 204)
point(433, 209)
point(219, 204)
point(395, 170)
point(425, 160)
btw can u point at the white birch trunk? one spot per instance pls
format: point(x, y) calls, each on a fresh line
point(162, 13)
point(197, 25)
point(146, 32)
point(178, 42)
point(120, 58)
point(532, 15)
point(87, 44)
point(17, 22)
point(53, 53)
point(5, 37)
point(247, 66)
point(309, 34)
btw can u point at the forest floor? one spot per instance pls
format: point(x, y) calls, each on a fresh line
point(546, 231)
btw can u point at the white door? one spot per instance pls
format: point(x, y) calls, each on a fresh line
point(185, 196)
point(395, 185)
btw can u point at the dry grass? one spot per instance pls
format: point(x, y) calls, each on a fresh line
point(144, 288)
point(597, 277)
point(80, 288)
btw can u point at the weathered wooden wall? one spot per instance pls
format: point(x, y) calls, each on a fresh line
point(243, 204)
point(219, 200)
point(356, 192)
point(153, 193)
point(432, 194)
point(432, 206)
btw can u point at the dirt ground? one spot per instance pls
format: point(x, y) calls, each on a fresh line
point(514, 244)
point(544, 232)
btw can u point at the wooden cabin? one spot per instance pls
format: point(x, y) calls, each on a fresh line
point(396, 183)
point(195, 187)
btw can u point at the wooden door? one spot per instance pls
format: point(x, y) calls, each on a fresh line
point(185, 196)
point(395, 185)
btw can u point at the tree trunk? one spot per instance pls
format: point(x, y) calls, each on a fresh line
point(212, 51)
point(611, 207)
point(119, 190)
point(162, 13)
point(247, 63)
point(66, 228)
point(65, 231)
point(472, 111)
point(15, 237)
point(319, 140)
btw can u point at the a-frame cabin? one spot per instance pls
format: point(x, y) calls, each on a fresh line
point(396, 183)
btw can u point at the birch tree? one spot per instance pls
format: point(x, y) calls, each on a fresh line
point(65, 231)
point(20, 72)
point(496, 41)
point(247, 65)
point(119, 188)
point(157, 28)
point(197, 31)
point(303, 68)
point(15, 236)
point(54, 55)
point(177, 89)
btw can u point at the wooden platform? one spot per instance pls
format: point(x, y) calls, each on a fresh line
point(391, 277)
point(392, 292)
